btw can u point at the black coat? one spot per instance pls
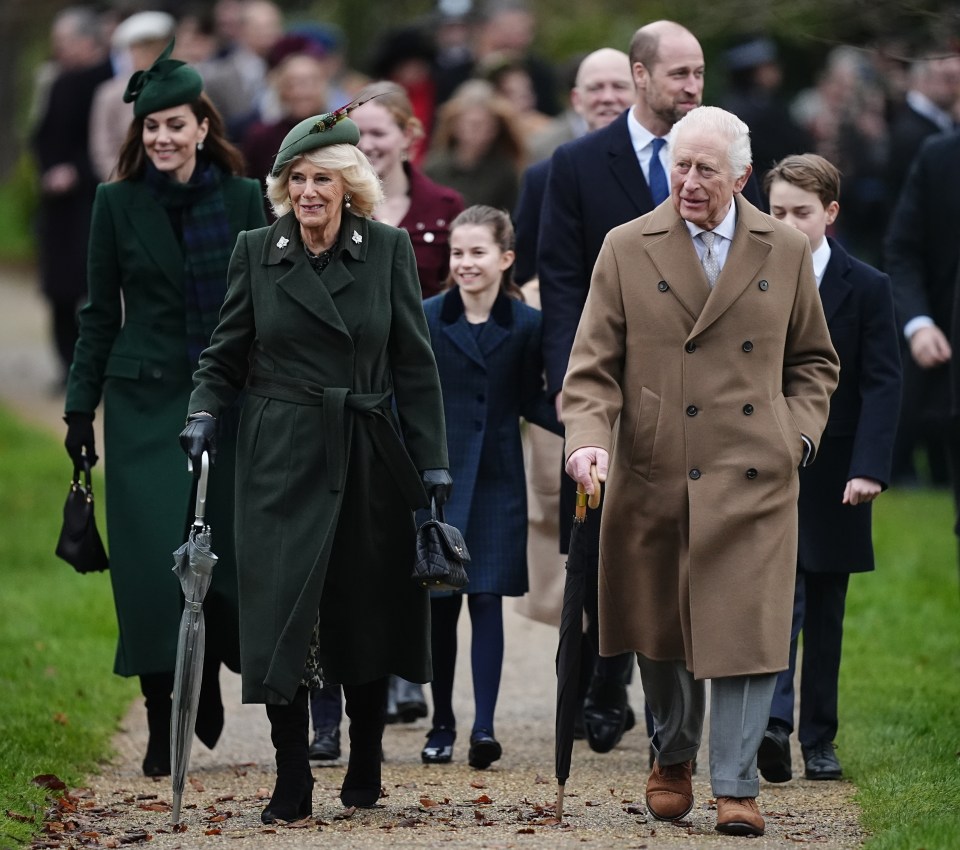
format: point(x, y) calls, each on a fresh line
point(908, 131)
point(526, 220)
point(858, 440)
point(922, 256)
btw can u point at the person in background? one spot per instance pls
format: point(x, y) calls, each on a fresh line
point(60, 144)
point(477, 148)
point(196, 35)
point(341, 439)
point(160, 243)
point(511, 80)
point(487, 346)
point(142, 37)
point(852, 468)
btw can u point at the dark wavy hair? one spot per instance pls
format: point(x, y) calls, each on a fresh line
point(501, 228)
point(133, 158)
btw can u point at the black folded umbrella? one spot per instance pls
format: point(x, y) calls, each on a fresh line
point(569, 645)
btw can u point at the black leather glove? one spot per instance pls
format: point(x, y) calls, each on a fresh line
point(438, 484)
point(198, 437)
point(80, 438)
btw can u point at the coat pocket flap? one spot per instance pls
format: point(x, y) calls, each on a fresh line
point(122, 367)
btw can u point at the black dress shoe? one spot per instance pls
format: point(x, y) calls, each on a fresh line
point(326, 745)
point(605, 715)
point(439, 748)
point(821, 762)
point(484, 749)
point(773, 757)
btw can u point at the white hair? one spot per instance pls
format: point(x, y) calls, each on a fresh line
point(718, 122)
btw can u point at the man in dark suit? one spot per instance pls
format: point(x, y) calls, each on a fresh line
point(595, 184)
point(922, 258)
point(852, 468)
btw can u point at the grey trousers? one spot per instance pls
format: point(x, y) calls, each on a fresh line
point(739, 710)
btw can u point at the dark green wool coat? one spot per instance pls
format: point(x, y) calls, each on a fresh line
point(132, 351)
point(326, 487)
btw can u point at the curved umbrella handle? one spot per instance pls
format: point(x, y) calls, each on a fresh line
point(583, 500)
point(201, 507)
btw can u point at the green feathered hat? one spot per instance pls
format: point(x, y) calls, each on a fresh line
point(165, 84)
point(330, 128)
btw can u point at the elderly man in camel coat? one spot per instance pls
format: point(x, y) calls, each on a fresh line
point(699, 383)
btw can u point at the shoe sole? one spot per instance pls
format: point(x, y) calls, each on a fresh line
point(483, 754)
point(324, 756)
point(823, 777)
point(738, 828)
point(668, 819)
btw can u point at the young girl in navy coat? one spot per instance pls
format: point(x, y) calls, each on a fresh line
point(487, 345)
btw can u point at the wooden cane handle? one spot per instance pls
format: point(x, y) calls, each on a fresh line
point(593, 501)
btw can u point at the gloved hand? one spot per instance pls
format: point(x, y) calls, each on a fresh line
point(438, 484)
point(80, 437)
point(198, 437)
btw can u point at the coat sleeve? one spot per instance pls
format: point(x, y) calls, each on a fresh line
point(810, 364)
point(880, 384)
point(560, 259)
point(592, 395)
point(535, 406)
point(102, 316)
point(413, 366)
point(223, 367)
point(256, 217)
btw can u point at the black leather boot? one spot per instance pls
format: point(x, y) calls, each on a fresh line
point(292, 797)
point(366, 706)
point(157, 690)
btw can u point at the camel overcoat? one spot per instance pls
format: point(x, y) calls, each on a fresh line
point(326, 484)
point(701, 397)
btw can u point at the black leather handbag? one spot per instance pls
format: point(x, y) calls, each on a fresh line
point(79, 544)
point(442, 555)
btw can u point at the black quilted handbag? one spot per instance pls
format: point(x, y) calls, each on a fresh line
point(442, 555)
point(79, 543)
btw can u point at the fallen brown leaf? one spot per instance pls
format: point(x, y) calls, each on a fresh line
point(482, 800)
point(196, 784)
point(213, 831)
point(61, 718)
point(50, 781)
point(526, 831)
point(477, 783)
point(18, 817)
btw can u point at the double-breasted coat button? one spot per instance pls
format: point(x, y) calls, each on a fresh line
point(694, 474)
point(692, 410)
point(747, 409)
point(663, 286)
point(428, 237)
point(764, 286)
point(751, 473)
point(747, 346)
point(690, 347)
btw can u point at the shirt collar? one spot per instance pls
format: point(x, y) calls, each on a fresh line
point(640, 136)
point(726, 228)
point(922, 105)
point(820, 259)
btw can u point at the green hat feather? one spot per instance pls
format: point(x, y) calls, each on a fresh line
point(165, 84)
point(330, 128)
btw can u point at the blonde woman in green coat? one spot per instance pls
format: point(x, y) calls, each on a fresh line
point(341, 438)
point(160, 245)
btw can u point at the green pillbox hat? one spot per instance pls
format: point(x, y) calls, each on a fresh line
point(166, 83)
point(331, 128)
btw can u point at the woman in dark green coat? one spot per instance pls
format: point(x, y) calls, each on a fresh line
point(160, 245)
point(341, 439)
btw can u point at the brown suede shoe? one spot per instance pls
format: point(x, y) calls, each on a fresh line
point(739, 816)
point(670, 791)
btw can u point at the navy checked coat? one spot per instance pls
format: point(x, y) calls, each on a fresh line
point(489, 381)
point(858, 440)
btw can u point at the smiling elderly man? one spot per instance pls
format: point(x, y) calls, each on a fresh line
point(704, 364)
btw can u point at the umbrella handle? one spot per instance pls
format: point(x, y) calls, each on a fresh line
point(583, 500)
point(201, 507)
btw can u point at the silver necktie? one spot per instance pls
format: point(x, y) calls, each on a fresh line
point(711, 265)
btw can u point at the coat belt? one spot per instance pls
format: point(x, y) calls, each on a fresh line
point(336, 401)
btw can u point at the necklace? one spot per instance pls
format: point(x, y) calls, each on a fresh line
point(319, 261)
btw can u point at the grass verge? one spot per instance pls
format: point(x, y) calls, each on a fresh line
point(59, 702)
point(900, 682)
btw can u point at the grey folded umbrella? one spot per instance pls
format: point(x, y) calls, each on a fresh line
point(193, 563)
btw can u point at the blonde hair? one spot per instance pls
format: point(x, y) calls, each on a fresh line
point(360, 181)
point(396, 101)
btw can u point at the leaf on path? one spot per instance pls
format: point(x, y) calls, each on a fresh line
point(526, 831)
point(540, 780)
point(226, 798)
point(303, 823)
point(135, 837)
point(592, 803)
point(18, 817)
point(478, 783)
point(346, 814)
point(196, 784)
point(635, 810)
point(158, 806)
point(180, 827)
point(213, 831)
point(482, 800)
point(263, 794)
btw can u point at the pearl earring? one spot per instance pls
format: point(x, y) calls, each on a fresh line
point(346, 201)
point(200, 145)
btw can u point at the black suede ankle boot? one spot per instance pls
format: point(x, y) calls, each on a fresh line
point(209, 723)
point(157, 690)
point(293, 795)
point(366, 706)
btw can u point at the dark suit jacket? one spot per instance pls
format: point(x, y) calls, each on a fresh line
point(526, 220)
point(922, 255)
point(595, 184)
point(908, 131)
point(858, 440)
point(489, 380)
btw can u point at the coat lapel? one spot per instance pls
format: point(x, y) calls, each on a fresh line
point(152, 226)
point(457, 329)
point(497, 330)
point(834, 288)
point(748, 251)
point(626, 167)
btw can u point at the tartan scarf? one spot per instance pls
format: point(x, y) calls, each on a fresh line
point(207, 245)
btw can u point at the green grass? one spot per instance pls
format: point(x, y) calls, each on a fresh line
point(900, 681)
point(59, 700)
point(18, 203)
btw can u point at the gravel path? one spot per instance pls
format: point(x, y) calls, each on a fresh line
point(507, 806)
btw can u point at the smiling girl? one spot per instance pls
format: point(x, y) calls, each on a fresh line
point(487, 346)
